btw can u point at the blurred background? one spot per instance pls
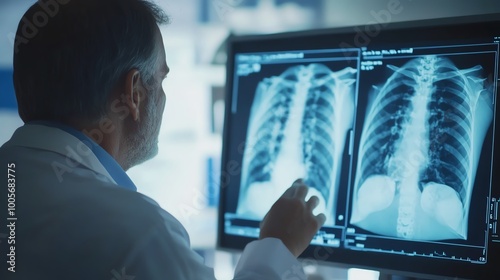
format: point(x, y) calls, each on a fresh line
point(183, 178)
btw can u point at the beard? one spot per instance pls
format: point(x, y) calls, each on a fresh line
point(143, 142)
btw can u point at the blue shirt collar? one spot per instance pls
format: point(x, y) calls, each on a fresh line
point(114, 169)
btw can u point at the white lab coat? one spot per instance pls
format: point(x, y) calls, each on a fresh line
point(74, 222)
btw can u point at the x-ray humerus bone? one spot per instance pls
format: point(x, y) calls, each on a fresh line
point(297, 128)
point(419, 150)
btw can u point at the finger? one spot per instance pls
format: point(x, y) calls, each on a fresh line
point(321, 218)
point(263, 219)
point(298, 182)
point(301, 192)
point(290, 192)
point(312, 202)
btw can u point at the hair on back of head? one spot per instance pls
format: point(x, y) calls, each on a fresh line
point(69, 56)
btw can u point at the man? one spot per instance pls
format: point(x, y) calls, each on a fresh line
point(87, 76)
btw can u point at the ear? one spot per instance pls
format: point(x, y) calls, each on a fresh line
point(134, 93)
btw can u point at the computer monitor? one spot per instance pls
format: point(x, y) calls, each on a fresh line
point(391, 125)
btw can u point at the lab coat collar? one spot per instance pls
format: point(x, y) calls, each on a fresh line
point(73, 144)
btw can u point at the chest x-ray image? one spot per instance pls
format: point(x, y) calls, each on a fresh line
point(421, 140)
point(297, 129)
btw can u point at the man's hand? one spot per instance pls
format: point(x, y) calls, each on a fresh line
point(291, 219)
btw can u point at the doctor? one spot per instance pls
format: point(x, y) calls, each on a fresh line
point(88, 76)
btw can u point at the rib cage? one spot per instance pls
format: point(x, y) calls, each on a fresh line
point(450, 128)
point(317, 129)
point(386, 125)
point(298, 112)
point(270, 130)
point(451, 97)
point(420, 132)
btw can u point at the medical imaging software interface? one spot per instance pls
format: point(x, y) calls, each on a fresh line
point(396, 142)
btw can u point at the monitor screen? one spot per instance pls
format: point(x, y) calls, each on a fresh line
point(392, 126)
